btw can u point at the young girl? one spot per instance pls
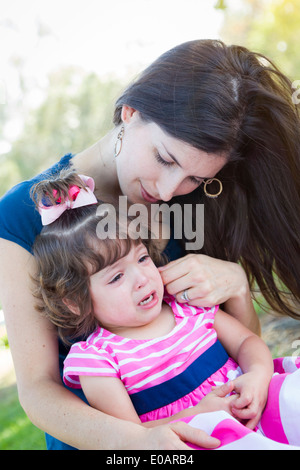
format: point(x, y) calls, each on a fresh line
point(147, 358)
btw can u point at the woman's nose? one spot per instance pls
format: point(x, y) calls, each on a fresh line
point(167, 188)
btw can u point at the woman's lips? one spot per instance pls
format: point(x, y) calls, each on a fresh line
point(147, 196)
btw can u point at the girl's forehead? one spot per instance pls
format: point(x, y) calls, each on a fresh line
point(108, 253)
point(127, 251)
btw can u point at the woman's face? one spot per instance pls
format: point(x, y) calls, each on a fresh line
point(153, 166)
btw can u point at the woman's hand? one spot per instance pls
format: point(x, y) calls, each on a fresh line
point(209, 281)
point(174, 436)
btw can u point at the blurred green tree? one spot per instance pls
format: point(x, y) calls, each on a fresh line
point(76, 112)
point(270, 27)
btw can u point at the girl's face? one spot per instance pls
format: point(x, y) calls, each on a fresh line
point(153, 166)
point(127, 294)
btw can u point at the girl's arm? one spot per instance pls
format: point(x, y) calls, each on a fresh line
point(211, 282)
point(255, 360)
point(241, 307)
point(109, 395)
point(49, 405)
point(246, 348)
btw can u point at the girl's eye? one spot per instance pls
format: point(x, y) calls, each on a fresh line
point(144, 258)
point(116, 278)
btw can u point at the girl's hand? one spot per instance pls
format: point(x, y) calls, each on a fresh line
point(252, 388)
point(209, 281)
point(218, 399)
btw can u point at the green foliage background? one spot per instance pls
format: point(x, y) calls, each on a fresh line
point(270, 27)
point(78, 106)
point(76, 111)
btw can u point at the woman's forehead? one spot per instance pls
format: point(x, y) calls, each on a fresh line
point(180, 151)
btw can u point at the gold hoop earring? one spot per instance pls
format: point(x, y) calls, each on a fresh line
point(119, 142)
point(209, 182)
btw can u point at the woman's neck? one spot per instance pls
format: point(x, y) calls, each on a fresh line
point(98, 162)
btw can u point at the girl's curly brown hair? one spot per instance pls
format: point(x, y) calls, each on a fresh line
point(68, 251)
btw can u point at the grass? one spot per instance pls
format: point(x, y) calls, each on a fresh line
point(16, 430)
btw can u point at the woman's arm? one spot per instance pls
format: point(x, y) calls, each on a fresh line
point(109, 395)
point(210, 282)
point(34, 346)
point(49, 405)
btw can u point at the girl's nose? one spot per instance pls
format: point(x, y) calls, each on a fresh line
point(140, 279)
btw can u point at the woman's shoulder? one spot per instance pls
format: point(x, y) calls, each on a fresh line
point(20, 222)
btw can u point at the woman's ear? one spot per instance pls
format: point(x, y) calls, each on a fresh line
point(72, 306)
point(128, 113)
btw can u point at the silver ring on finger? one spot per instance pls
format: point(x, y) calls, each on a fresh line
point(185, 296)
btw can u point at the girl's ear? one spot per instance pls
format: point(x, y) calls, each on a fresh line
point(72, 306)
point(128, 113)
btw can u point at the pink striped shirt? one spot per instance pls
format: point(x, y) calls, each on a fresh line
point(144, 363)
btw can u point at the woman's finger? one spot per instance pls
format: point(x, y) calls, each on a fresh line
point(179, 279)
point(201, 295)
point(171, 264)
point(174, 272)
point(178, 286)
point(195, 436)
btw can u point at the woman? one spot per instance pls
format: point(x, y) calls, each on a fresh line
point(202, 109)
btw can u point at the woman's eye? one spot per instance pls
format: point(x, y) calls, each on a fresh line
point(116, 278)
point(165, 163)
point(195, 181)
point(162, 161)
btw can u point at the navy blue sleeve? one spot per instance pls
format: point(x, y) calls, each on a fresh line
point(20, 221)
point(174, 249)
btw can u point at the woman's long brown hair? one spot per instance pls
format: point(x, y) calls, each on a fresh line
point(229, 100)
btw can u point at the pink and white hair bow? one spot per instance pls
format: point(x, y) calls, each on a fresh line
point(78, 197)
